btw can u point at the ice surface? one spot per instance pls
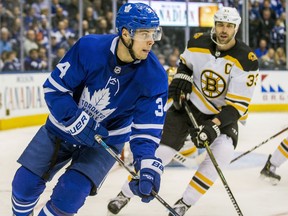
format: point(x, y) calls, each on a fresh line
point(254, 196)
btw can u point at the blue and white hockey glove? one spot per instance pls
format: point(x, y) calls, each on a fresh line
point(150, 169)
point(83, 128)
point(207, 132)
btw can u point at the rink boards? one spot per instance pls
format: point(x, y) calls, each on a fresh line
point(22, 99)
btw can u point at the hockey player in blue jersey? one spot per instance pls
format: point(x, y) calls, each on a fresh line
point(107, 85)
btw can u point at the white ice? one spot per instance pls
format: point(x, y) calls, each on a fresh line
point(254, 196)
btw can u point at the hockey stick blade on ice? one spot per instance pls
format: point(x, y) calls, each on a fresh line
point(262, 143)
point(121, 162)
point(189, 162)
point(209, 152)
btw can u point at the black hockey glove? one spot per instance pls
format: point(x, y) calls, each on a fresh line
point(181, 85)
point(207, 132)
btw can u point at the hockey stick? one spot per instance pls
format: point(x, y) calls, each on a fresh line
point(135, 176)
point(189, 162)
point(262, 143)
point(209, 152)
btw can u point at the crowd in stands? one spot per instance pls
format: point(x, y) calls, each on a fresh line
point(266, 29)
point(267, 20)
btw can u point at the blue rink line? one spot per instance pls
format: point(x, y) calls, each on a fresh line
point(249, 160)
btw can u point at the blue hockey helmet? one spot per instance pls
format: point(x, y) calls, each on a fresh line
point(133, 16)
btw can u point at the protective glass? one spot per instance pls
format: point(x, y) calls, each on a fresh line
point(147, 34)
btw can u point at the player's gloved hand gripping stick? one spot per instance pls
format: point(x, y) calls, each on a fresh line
point(209, 152)
point(134, 175)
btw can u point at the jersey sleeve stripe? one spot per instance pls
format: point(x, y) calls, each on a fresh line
point(145, 136)
point(199, 50)
point(120, 131)
point(48, 90)
point(235, 61)
point(238, 97)
point(147, 126)
point(57, 85)
point(239, 107)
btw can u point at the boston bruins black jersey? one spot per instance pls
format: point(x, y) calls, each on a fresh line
point(220, 78)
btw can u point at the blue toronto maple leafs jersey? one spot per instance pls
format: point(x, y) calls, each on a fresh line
point(127, 100)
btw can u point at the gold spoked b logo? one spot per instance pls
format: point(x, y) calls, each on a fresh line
point(212, 84)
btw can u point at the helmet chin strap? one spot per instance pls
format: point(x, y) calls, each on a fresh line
point(129, 47)
point(218, 44)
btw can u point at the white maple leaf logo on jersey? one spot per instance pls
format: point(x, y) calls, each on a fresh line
point(96, 104)
point(127, 8)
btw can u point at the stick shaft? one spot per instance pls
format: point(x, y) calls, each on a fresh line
point(119, 160)
point(209, 152)
point(262, 143)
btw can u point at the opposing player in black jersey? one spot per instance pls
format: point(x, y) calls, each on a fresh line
point(217, 74)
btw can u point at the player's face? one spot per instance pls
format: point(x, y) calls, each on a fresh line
point(143, 42)
point(224, 32)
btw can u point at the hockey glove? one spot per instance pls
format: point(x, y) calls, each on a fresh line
point(180, 85)
point(150, 170)
point(208, 132)
point(83, 128)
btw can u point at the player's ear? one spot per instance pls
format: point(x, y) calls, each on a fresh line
point(125, 33)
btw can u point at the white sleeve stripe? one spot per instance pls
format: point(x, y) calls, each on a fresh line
point(151, 164)
point(57, 85)
point(147, 126)
point(120, 131)
point(145, 136)
point(48, 90)
point(46, 211)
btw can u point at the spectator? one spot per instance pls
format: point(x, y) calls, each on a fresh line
point(262, 49)
point(85, 28)
point(3, 59)
point(44, 31)
point(39, 5)
point(98, 10)
point(267, 61)
point(73, 13)
point(109, 18)
point(278, 34)
point(266, 5)
point(173, 60)
point(33, 62)
point(59, 54)
point(30, 42)
point(254, 20)
point(89, 17)
point(12, 62)
point(69, 42)
point(280, 59)
point(30, 18)
point(162, 60)
point(5, 42)
point(54, 45)
point(6, 17)
point(102, 27)
point(266, 25)
point(15, 34)
point(62, 33)
point(58, 17)
point(42, 52)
